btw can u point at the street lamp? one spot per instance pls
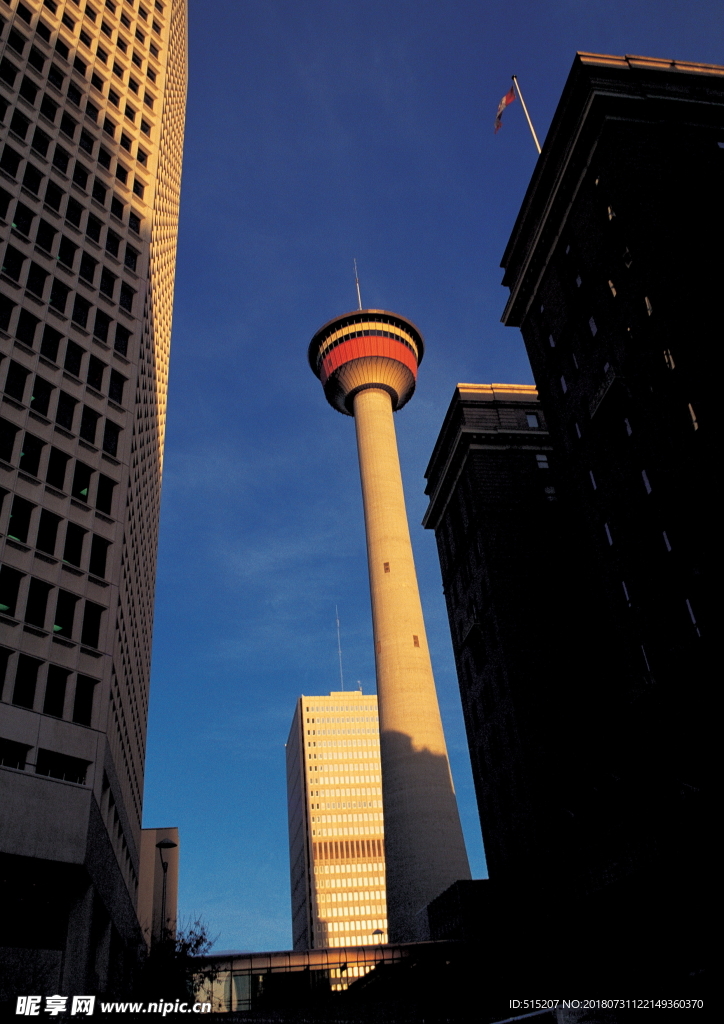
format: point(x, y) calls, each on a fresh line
point(164, 844)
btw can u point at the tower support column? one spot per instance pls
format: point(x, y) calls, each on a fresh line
point(424, 845)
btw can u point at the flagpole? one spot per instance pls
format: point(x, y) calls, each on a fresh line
point(525, 111)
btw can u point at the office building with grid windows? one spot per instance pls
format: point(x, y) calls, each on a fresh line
point(92, 102)
point(336, 826)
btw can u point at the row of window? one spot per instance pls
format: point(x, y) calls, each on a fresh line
point(32, 181)
point(47, 537)
point(58, 698)
point(64, 621)
point(70, 23)
point(26, 329)
point(48, 762)
point(82, 480)
point(58, 294)
point(17, 375)
point(65, 414)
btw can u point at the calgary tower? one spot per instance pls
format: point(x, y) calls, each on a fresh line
point(367, 362)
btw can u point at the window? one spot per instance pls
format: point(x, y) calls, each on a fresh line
point(55, 476)
point(86, 142)
point(9, 586)
point(50, 342)
point(116, 207)
point(89, 424)
point(74, 94)
point(37, 277)
point(102, 323)
point(140, 36)
point(134, 222)
point(113, 97)
point(101, 55)
point(73, 547)
point(55, 688)
point(151, 74)
point(83, 702)
point(68, 21)
point(73, 358)
point(19, 124)
point(159, 6)
point(36, 59)
point(56, 76)
point(142, 157)
point(65, 613)
point(37, 602)
point(138, 188)
point(122, 44)
point(142, 13)
point(61, 766)
point(98, 556)
point(106, 29)
point(5, 198)
point(30, 455)
point(24, 13)
point(126, 297)
point(532, 420)
point(115, 388)
point(131, 258)
point(99, 191)
point(32, 179)
point(121, 340)
point(41, 141)
point(121, 173)
point(80, 175)
point(23, 219)
point(111, 434)
point(81, 481)
point(47, 530)
point(104, 158)
point(148, 99)
point(542, 461)
point(92, 616)
point(13, 755)
point(29, 91)
point(111, 6)
point(48, 108)
point(61, 158)
point(90, 13)
point(26, 680)
point(66, 410)
point(40, 398)
point(97, 82)
point(87, 268)
point(19, 523)
point(157, 28)
point(104, 494)
point(66, 252)
point(85, 38)
point(96, 369)
point(16, 41)
point(8, 72)
point(125, 20)
point(81, 308)
point(10, 161)
point(130, 113)
point(15, 380)
point(109, 128)
point(53, 195)
point(118, 71)
point(125, 142)
point(145, 127)
point(27, 325)
point(135, 57)
point(13, 263)
point(108, 282)
point(7, 440)
point(93, 227)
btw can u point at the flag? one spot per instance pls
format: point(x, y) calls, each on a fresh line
point(506, 100)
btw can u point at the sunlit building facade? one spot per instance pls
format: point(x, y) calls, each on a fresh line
point(92, 104)
point(336, 827)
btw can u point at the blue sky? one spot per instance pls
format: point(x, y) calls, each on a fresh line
point(319, 131)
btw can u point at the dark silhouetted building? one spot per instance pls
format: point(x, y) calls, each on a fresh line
point(91, 134)
point(579, 610)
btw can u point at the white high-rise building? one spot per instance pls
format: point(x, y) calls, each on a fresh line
point(336, 827)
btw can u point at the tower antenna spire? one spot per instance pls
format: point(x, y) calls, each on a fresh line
point(356, 281)
point(339, 643)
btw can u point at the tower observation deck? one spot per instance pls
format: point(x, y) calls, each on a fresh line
point(367, 362)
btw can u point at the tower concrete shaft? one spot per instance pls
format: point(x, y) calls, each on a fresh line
point(424, 844)
point(367, 362)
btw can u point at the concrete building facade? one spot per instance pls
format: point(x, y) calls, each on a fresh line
point(336, 822)
point(92, 102)
point(367, 362)
point(582, 625)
